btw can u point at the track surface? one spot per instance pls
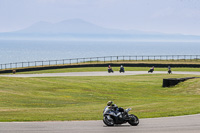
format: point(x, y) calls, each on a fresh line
point(95, 74)
point(179, 124)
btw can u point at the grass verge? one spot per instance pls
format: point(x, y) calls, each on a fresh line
point(84, 98)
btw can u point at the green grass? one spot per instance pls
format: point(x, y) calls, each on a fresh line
point(90, 69)
point(84, 98)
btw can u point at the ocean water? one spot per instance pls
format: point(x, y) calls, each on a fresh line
point(30, 50)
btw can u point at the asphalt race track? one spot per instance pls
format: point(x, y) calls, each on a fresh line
point(95, 74)
point(179, 124)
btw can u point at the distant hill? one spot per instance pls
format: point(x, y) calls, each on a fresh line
point(79, 29)
point(72, 26)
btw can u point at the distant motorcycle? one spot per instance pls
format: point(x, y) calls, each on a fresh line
point(169, 71)
point(121, 70)
point(119, 116)
point(110, 70)
point(151, 70)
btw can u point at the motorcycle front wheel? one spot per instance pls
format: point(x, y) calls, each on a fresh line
point(133, 120)
point(108, 122)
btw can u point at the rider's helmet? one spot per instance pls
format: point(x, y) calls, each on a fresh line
point(109, 103)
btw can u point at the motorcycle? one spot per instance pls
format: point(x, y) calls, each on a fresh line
point(122, 70)
point(110, 70)
point(119, 116)
point(151, 71)
point(169, 71)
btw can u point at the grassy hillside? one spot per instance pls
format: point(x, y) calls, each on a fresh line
point(84, 98)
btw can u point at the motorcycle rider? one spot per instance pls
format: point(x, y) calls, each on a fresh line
point(114, 107)
point(169, 70)
point(110, 69)
point(152, 68)
point(121, 68)
point(109, 105)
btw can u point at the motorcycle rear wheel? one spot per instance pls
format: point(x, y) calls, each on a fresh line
point(133, 121)
point(108, 122)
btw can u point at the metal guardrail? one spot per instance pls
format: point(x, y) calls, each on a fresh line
point(104, 59)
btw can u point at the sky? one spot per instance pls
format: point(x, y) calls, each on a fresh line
point(165, 16)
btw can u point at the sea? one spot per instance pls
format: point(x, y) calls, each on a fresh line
point(12, 51)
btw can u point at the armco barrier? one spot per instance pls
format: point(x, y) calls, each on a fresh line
point(103, 60)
